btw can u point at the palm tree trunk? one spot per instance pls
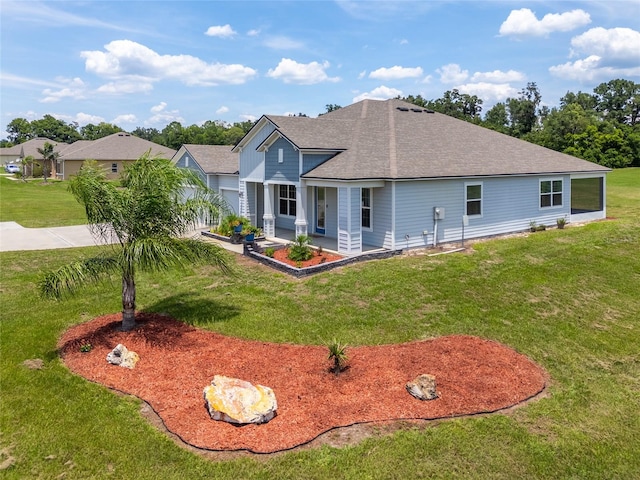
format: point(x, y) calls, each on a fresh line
point(128, 302)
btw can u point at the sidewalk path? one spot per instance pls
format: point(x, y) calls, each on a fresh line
point(14, 237)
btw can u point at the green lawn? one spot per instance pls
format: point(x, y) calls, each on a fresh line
point(566, 298)
point(36, 204)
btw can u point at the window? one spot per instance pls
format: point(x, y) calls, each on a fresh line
point(550, 193)
point(280, 155)
point(366, 207)
point(287, 194)
point(114, 168)
point(473, 199)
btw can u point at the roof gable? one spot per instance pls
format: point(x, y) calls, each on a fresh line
point(213, 159)
point(118, 146)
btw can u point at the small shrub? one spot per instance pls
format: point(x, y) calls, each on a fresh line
point(85, 347)
point(269, 252)
point(561, 222)
point(541, 228)
point(301, 249)
point(338, 355)
point(533, 226)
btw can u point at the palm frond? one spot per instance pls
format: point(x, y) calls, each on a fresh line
point(69, 278)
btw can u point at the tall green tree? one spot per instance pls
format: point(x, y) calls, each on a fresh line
point(103, 129)
point(55, 129)
point(619, 101)
point(148, 218)
point(523, 111)
point(19, 130)
point(49, 160)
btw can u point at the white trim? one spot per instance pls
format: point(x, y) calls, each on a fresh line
point(467, 200)
point(370, 207)
point(344, 184)
point(551, 193)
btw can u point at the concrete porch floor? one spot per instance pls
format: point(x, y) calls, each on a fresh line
point(330, 244)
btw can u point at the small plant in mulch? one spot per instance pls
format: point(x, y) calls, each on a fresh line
point(338, 355)
point(300, 250)
point(86, 347)
point(269, 252)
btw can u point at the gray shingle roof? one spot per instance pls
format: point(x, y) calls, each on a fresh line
point(393, 139)
point(30, 147)
point(214, 158)
point(119, 146)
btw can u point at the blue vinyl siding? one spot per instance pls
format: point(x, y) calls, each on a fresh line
point(311, 161)
point(381, 217)
point(508, 205)
point(193, 165)
point(252, 161)
point(288, 170)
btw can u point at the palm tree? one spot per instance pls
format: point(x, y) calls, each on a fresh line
point(147, 219)
point(49, 159)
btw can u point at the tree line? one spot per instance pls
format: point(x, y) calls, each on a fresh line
point(174, 135)
point(602, 127)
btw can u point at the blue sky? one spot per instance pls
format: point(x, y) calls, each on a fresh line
point(148, 63)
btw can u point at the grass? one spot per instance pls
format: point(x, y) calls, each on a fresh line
point(35, 204)
point(566, 298)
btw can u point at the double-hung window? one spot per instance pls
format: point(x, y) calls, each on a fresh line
point(366, 207)
point(114, 168)
point(287, 200)
point(550, 193)
point(473, 199)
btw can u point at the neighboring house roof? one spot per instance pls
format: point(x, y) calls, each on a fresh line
point(394, 139)
point(30, 147)
point(118, 146)
point(213, 159)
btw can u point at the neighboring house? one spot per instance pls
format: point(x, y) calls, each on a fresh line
point(113, 152)
point(390, 175)
point(216, 165)
point(18, 152)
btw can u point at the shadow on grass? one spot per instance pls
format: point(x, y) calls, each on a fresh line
point(194, 310)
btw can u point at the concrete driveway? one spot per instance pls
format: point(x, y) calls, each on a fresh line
point(14, 237)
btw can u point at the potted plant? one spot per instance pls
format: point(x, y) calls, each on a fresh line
point(561, 222)
point(237, 226)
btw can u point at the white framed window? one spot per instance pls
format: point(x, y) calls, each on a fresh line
point(280, 155)
point(473, 199)
point(551, 193)
point(366, 197)
point(114, 168)
point(287, 200)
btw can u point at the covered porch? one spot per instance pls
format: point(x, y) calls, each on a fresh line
point(286, 236)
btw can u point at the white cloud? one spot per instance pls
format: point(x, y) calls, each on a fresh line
point(126, 118)
point(379, 93)
point(362, 74)
point(162, 116)
point(254, 32)
point(74, 88)
point(404, 41)
point(158, 108)
point(283, 43)
point(609, 53)
point(524, 22)
point(489, 92)
point(395, 73)
point(248, 118)
point(452, 73)
point(221, 31)
point(80, 118)
point(290, 71)
point(498, 76)
point(125, 87)
point(222, 109)
point(127, 60)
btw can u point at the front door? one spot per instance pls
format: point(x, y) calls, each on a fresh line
point(321, 208)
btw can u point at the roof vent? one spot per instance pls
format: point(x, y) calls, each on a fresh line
point(403, 109)
point(429, 111)
point(417, 110)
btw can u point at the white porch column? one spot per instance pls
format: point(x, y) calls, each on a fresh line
point(269, 219)
point(301, 209)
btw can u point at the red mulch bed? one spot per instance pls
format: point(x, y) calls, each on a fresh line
point(317, 259)
point(177, 361)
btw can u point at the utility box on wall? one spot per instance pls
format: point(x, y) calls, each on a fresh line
point(438, 213)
